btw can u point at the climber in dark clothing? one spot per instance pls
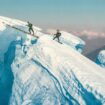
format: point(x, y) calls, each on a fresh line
point(57, 35)
point(30, 25)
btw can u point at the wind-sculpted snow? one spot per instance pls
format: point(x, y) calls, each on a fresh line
point(73, 41)
point(45, 72)
point(6, 75)
point(14, 22)
point(33, 84)
point(62, 60)
point(11, 34)
point(52, 73)
point(8, 34)
point(101, 59)
point(8, 41)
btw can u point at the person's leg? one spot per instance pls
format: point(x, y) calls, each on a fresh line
point(32, 31)
point(29, 30)
point(54, 38)
point(58, 39)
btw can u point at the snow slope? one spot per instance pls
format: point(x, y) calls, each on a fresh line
point(46, 72)
point(73, 41)
point(8, 40)
point(50, 71)
point(101, 59)
point(7, 34)
point(11, 34)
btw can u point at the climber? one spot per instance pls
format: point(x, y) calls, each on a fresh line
point(30, 25)
point(57, 35)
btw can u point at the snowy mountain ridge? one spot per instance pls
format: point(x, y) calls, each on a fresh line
point(101, 58)
point(46, 72)
point(76, 84)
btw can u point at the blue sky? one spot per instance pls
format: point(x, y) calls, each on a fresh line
point(65, 14)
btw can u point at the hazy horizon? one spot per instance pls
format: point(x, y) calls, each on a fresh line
point(70, 15)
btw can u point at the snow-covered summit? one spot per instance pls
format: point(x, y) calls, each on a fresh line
point(72, 40)
point(46, 72)
point(48, 64)
point(14, 22)
point(101, 59)
point(10, 42)
point(9, 37)
point(9, 33)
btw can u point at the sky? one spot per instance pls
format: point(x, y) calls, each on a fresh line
point(71, 15)
point(85, 18)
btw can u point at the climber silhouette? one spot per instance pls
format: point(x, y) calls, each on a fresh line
point(57, 36)
point(30, 26)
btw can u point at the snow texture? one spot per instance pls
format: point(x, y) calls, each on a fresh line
point(101, 59)
point(45, 72)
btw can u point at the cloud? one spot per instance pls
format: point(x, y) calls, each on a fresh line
point(90, 34)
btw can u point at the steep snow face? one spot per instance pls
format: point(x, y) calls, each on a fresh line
point(11, 41)
point(73, 41)
point(101, 59)
point(8, 41)
point(55, 74)
point(14, 22)
point(8, 34)
point(6, 75)
point(33, 84)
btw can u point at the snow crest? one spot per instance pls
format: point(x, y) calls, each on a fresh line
point(46, 72)
point(65, 76)
point(101, 59)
